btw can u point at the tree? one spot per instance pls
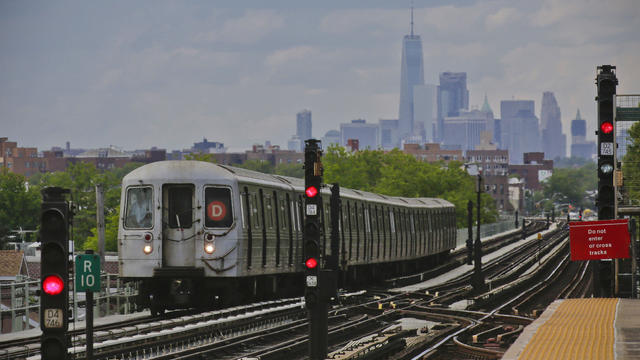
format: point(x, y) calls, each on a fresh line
point(19, 204)
point(571, 185)
point(110, 233)
point(398, 174)
point(293, 170)
point(200, 157)
point(262, 166)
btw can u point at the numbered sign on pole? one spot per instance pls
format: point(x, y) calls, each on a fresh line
point(88, 272)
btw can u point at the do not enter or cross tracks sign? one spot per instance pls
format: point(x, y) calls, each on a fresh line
point(88, 272)
point(597, 240)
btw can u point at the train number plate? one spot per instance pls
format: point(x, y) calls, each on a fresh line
point(312, 209)
point(53, 318)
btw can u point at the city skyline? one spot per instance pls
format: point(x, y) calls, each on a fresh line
point(136, 76)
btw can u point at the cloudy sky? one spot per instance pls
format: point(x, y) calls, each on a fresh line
point(137, 74)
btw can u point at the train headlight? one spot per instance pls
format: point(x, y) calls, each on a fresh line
point(209, 243)
point(147, 249)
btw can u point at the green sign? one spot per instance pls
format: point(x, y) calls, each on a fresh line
point(88, 272)
point(627, 113)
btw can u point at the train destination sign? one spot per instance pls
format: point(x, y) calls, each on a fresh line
point(597, 240)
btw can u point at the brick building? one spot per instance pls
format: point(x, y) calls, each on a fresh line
point(534, 170)
point(432, 153)
point(495, 173)
point(20, 160)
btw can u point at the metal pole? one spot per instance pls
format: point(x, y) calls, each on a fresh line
point(478, 278)
point(470, 233)
point(634, 265)
point(100, 220)
point(516, 219)
point(89, 318)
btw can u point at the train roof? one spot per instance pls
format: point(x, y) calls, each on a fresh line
point(200, 171)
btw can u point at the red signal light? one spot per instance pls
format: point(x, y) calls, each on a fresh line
point(606, 127)
point(52, 285)
point(311, 191)
point(311, 263)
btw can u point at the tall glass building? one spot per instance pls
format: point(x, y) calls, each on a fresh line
point(412, 74)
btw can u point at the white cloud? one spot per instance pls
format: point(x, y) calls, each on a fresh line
point(253, 26)
point(501, 18)
point(284, 56)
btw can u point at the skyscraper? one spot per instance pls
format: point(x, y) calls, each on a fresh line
point(303, 125)
point(520, 129)
point(424, 110)
point(452, 96)
point(580, 147)
point(412, 74)
point(554, 142)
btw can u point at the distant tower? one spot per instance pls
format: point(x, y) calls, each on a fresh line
point(554, 142)
point(412, 74)
point(452, 97)
point(303, 125)
point(520, 129)
point(580, 147)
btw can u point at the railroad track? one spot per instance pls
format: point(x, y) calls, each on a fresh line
point(281, 330)
point(116, 334)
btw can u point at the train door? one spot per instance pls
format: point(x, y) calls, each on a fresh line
point(178, 238)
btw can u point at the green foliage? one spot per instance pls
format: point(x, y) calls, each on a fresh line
point(398, 174)
point(258, 165)
point(82, 179)
point(200, 157)
point(110, 233)
point(293, 170)
point(19, 205)
point(570, 185)
point(631, 164)
point(572, 162)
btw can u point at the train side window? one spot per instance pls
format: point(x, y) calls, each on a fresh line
point(139, 214)
point(413, 225)
point(254, 210)
point(367, 219)
point(293, 215)
point(269, 210)
point(392, 221)
point(243, 198)
point(218, 212)
point(283, 213)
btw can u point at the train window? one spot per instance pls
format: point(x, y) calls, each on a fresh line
point(283, 213)
point(392, 221)
point(218, 213)
point(413, 225)
point(269, 210)
point(180, 207)
point(367, 220)
point(254, 210)
point(139, 214)
point(243, 198)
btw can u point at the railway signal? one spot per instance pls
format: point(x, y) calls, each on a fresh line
point(54, 272)
point(606, 81)
point(313, 295)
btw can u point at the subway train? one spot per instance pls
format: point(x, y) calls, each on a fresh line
point(198, 234)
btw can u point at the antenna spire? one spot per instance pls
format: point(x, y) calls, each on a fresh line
point(412, 19)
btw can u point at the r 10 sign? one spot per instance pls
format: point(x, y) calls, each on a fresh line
point(88, 272)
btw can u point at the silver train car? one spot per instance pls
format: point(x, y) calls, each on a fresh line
point(199, 234)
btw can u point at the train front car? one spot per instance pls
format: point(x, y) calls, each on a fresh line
point(178, 227)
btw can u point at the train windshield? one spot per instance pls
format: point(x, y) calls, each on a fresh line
point(139, 213)
point(218, 210)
